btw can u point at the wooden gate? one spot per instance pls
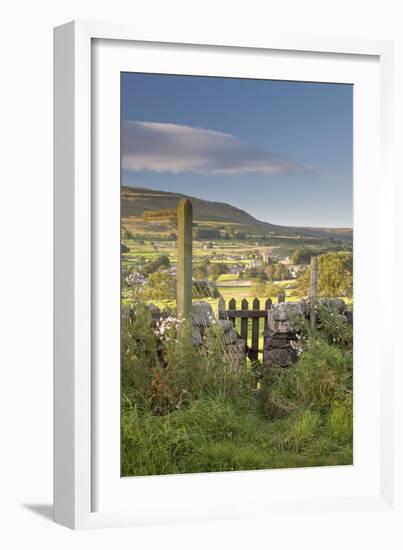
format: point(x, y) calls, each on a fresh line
point(244, 314)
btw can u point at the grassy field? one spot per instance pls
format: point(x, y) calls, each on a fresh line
point(152, 248)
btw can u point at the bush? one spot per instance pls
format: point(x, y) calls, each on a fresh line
point(151, 267)
point(160, 286)
point(334, 328)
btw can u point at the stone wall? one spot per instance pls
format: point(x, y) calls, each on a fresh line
point(282, 342)
point(281, 339)
point(233, 346)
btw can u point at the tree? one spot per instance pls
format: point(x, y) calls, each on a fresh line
point(161, 261)
point(335, 275)
point(259, 288)
point(281, 272)
point(240, 235)
point(273, 290)
point(160, 286)
point(200, 270)
point(216, 269)
point(201, 234)
point(302, 256)
point(126, 234)
point(277, 272)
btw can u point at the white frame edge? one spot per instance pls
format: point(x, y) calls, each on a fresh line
point(72, 247)
point(72, 275)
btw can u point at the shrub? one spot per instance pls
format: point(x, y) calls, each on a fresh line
point(139, 356)
point(151, 267)
point(334, 328)
point(160, 286)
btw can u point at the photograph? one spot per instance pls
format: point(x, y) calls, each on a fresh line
point(236, 274)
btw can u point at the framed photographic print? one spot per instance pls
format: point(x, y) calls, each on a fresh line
point(222, 212)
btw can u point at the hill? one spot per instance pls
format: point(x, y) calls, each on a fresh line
point(137, 199)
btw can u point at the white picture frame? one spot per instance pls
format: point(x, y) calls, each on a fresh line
point(87, 491)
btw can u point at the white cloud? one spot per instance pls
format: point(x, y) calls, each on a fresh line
point(164, 147)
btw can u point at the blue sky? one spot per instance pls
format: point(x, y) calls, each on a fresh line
point(280, 150)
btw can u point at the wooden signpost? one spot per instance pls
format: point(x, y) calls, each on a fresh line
point(183, 216)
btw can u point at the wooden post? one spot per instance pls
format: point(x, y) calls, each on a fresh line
point(267, 306)
point(231, 305)
point(183, 216)
point(281, 297)
point(221, 308)
point(184, 266)
point(313, 293)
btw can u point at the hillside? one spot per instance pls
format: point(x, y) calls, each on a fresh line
point(136, 199)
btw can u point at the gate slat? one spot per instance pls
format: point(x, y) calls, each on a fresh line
point(221, 308)
point(255, 332)
point(244, 321)
point(231, 305)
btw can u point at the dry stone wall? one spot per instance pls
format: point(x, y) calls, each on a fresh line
point(282, 342)
point(233, 347)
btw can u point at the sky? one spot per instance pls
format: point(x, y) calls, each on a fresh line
point(280, 150)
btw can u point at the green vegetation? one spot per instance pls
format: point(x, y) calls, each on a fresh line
point(302, 256)
point(160, 261)
point(216, 269)
point(160, 286)
point(184, 409)
point(190, 412)
point(335, 271)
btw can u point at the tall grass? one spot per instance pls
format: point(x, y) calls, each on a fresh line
point(184, 411)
